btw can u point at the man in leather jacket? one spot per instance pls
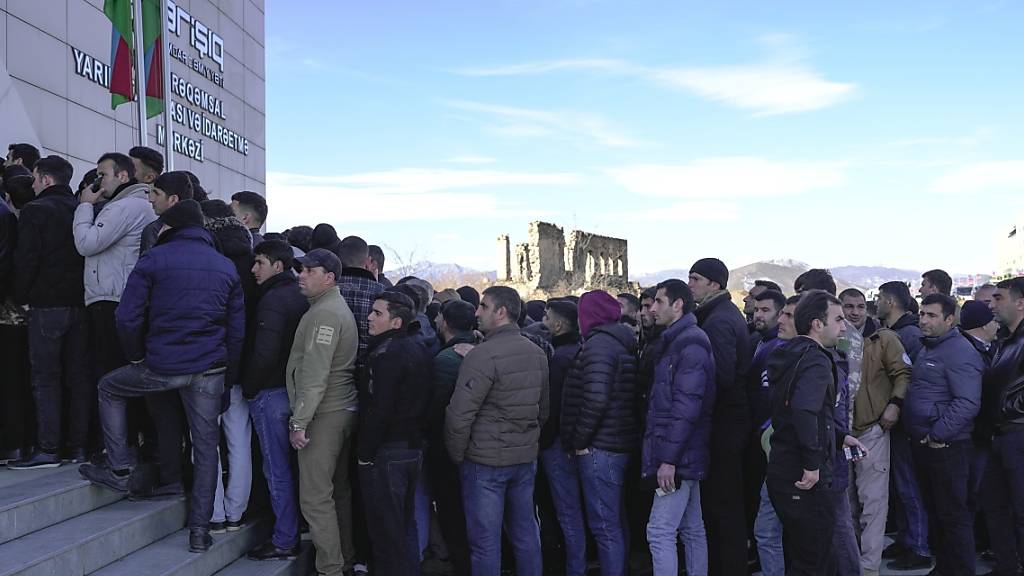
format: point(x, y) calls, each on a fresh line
point(1003, 400)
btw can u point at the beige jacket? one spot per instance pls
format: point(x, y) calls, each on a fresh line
point(885, 374)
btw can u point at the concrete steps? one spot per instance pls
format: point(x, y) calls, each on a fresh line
point(53, 522)
point(34, 501)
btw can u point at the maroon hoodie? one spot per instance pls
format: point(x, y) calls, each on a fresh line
point(596, 308)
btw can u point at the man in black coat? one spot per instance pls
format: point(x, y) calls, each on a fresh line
point(278, 311)
point(722, 493)
point(48, 276)
point(394, 396)
point(802, 460)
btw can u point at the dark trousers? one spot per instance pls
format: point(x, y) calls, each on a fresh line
point(16, 389)
point(167, 415)
point(943, 477)
point(59, 355)
point(201, 395)
point(389, 494)
point(808, 522)
point(1002, 498)
point(905, 493)
point(722, 494)
point(447, 488)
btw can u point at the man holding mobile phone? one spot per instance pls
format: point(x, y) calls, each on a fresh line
point(677, 435)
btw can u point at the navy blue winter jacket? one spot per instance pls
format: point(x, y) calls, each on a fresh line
point(945, 390)
point(682, 399)
point(182, 310)
point(910, 334)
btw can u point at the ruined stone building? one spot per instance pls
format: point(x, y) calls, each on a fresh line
point(549, 262)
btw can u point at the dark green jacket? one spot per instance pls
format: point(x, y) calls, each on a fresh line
point(446, 373)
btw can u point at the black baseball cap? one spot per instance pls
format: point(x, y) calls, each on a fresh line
point(323, 258)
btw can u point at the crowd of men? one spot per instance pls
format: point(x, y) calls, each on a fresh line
point(146, 331)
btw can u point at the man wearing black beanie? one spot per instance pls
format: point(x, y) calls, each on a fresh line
point(722, 497)
point(181, 322)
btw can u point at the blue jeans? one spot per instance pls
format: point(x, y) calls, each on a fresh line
point(602, 475)
point(768, 533)
point(58, 348)
point(674, 516)
point(911, 516)
point(560, 467)
point(201, 394)
point(844, 539)
point(270, 412)
point(501, 495)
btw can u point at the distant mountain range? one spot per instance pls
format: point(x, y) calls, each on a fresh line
point(782, 271)
point(442, 274)
point(785, 272)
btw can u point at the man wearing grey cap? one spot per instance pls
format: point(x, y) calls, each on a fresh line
point(322, 392)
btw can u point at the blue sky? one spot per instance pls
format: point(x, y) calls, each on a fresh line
point(870, 133)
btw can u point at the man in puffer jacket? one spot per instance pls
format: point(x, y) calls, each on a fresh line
point(677, 435)
point(599, 422)
point(181, 323)
point(110, 244)
point(943, 399)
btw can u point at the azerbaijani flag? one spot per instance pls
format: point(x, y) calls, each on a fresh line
point(119, 12)
point(122, 42)
point(151, 30)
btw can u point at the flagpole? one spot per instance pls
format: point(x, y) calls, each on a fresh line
point(140, 70)
point(165, 62)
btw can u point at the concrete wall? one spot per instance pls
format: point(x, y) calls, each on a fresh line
point(46, 102)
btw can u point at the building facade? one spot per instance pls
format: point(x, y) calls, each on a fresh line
point(55, 77)
point(1011, 250)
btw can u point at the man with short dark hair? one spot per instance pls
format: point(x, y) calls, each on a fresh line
point(148, 163)
point(48, 276)
point(166, 191)
point(425, 291)
point(455, 325)
point(376, 265)
point(1002, 401)
point(492, 427)
point(768, 305)
point(23, 155)
point(941, 404)
point(110, 242)
point(394, 396)
point(251, 209)
point(751, 297)
point(726, 327)
point(897, 310)
point(278, 312)
point(885, 376)
point(630, 311)
point(677, 433)
point(936, 282)
point(804, 443)
point(359, 286)
point(179, 334)
point(322, 392)
point(561, 318)
point(855, 308)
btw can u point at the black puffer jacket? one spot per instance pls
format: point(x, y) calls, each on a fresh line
point(598, 402)
point(278, 311)
point(48, 270)
point(727, 329)
point(234, 241)
point(566, 346)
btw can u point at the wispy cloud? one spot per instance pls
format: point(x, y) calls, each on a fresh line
point(972, 140)
point(1000, 177)
point(729, 178)
point(697, 210)
point(403, 194)
point(470, 159)
point(782, 83)
point(574, 126)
